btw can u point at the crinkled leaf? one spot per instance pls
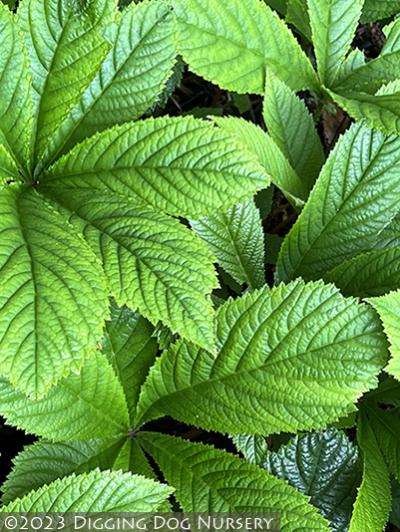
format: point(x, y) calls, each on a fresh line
point(152, 262)
point(95, 492)
point(85, 406)
point(324, 466)
point(296, 357)
point(53, 301)
point(379, 9)
point(232, 43)
point(184, 166)
point(355, 197)
point(236, 239)
point(253, 447)
point(210, 480)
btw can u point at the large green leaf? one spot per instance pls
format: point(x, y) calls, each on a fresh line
point(324, 466)
point(236, 238)
point(355, 197)
point(388, 308)
point(209, 480)
point(85, 406)
point(53, 300)
point(15, 92)
point(373, 503)
point(369, 274)
point(185, 166)
point(65, 47)
point(95, 492)
point(292, 128)
point(131, 349)
point(294, 357)
point(131, 77)
point(232, 43)
point(43, 462)
point(152, 261)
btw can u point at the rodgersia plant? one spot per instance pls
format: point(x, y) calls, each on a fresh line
point(110, 227)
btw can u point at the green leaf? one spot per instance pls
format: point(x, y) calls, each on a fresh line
point(390, 236)
point(324, 352)
point(132, 458)
point(130, 79)
point(324, 466)
point(130, 348)
point(209, 480)
point(333, 24)
point(388, 308)
point(236, 239)
point(379, 9)
point(8, 166)
point(268, 154)
point(43, 462)
point(184, 166)
point(297, 15)
point(373, 503)
point(65, 47)
point(95, 492)
point(53, 301)
point(358, 182)
point(85, 406)
point(254, 448)
point(292, 128)
point(15, 90)
point(152, 262)
point(369, 274)
point(246, 37)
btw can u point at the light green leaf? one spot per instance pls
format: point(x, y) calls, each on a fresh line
point(324, 466)
point(130, 79)
point(184, 166)
point(95, 492)
point(268, 154)
point(15, 90)
point(379, 9)
point(232, 43)
point(369, 274)
point(53, 301)
point(152, 262)
point(333, 24)
point(210, 480)
point(292, 128)
point(388, 308)
point(8, 166)
point(132, 458)
point(130, 348)
point(373, 503)
point(43, 462)
point(254, 448)
point(355, 197)
point(324, 351)
point(85, 406)
point(236, 239)
point(65, 47)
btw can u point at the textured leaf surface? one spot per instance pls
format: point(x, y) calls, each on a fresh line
point(131, 77)
point(131, 349)
point(268, 154)
point(333, 24)
point(53, 301)
point(292, 128)
point(44, 462)
point(232, 43)
point(15, 93)
point(379, 9)
point(368, 275)
point(152, 261)
point(355, 197)
point(373, 503)
point(296, 357)
point(85, 406)
point(209, 480)
point(297, 15)
point(388, 308)
point(185, 166)
point(236, 238)
point(254, 448)
point(94, 492)
point(65, 47)
point(8, 166)
point(325, 467)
